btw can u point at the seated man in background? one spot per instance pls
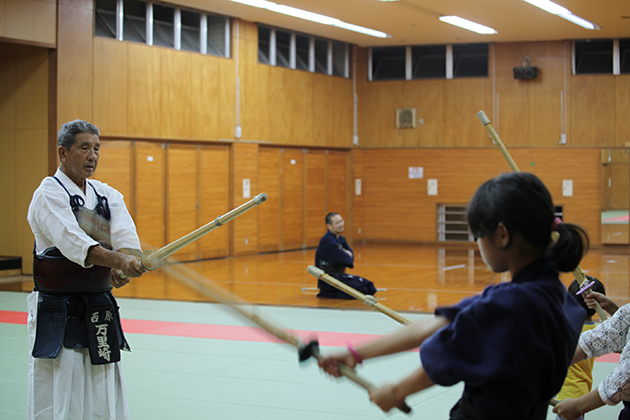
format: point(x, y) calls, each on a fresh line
point(333, 255)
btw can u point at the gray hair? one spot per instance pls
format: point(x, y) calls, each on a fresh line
point(69, 131)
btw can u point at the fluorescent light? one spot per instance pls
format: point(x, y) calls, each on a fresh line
point(302, 14)
point(313, 17)
point(556, 9)
point(579, 21)
point(548, 6)
point(360, 29)
point(467, 24)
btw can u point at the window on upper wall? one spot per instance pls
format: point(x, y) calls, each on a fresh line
point(155, 24)
point(218, 35)
point(593, 57)
point(470, 60)
point(321, 56)
point(282, 48)
point(191, 31)
point(163, 26)
point(135, 21)
point(428, 62)
point(105, 18)
point(302, 48)
point(264, 45)
point(340, 59)
point(389, 63)
point(624, 56)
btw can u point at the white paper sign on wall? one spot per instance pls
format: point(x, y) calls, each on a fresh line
point(416, 172)
point(246, 188)
point(567, 188)
point(432, 187)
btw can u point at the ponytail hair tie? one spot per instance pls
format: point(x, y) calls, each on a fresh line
point(556, 222)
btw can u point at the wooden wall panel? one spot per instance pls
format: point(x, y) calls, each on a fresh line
point(24, 142)
point(620, 196)
point(111, 87)
point(342, 122)
point(182, 166)
point(255, 102)
point(289, 107)
point(427, 96)
point(400, 208)
point(622, 110)
point(269, 213)
point(227, 99)
point(546, 98)
point(115, 168)
point(204, 100)
point(615, 179)
point(152, 285)
point(214, 195)
point(530, 107)
point(337, 182)
point(292, 199)
point(30, 20)
point(323, 112)
point(244, 229)
point(20, 25)
point(512, 117)
point(592, 115)
point(377, 113)
point(300, 107)
point(31, 108)
point(463, 98)
point(9, 72)
point(315, 197)
point(149, 213)
point(45, 21)
point(280, 115)
point(175, 93)
point(144, 91)
point(74, 62)
point(358, 203)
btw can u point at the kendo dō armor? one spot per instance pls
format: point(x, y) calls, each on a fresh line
point(54, 273)
point(76, 308)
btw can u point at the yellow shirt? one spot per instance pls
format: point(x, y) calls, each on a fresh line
point(579, 379)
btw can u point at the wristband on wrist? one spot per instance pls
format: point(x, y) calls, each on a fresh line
point(354, 353)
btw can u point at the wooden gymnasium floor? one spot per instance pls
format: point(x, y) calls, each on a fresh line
point(193, 359)
point(413, 278)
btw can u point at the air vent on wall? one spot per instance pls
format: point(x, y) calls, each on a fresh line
point(406, 117)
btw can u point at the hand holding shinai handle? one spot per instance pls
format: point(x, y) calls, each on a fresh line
point(369, 301)
point(219, 294)
point(150, 259)
point(577, 272)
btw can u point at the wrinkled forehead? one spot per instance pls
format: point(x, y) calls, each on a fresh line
point(86, 139)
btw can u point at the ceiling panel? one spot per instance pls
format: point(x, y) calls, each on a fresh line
point(415, 22)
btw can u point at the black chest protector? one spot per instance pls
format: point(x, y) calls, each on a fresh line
point(54, 273)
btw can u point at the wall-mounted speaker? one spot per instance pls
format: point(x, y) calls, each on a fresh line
point(525, 73)
point(406, 118)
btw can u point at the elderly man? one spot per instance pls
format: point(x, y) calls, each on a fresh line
point(333, 255)
point(85, 243)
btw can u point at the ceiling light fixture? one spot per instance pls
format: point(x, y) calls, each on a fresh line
point(468, 24)
point(564, 13)
point(313, 17)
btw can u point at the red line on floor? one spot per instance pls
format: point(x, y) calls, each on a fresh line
point(234, 333)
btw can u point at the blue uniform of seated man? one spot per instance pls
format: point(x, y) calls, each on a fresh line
point(333, 255)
